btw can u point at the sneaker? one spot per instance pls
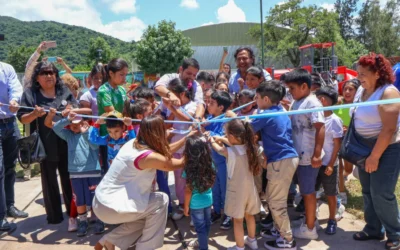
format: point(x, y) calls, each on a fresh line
point(194, 244)
point(268, 222)
point(270, 234)
point(340, 212)
point(331, 228)
point(250, 243)
point(303, 232)
point(227, 223)
point(215, 217)
point(99, 227)
point(82, 228)
point(280, 243)
point(191, 223)
point(72, 224)
point(300, 208)
point(320, 193)
point(297, 223)
point(178, 214)
point(343, 197)
point(291, 200)
point(262, 210)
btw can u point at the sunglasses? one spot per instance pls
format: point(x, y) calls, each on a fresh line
point(46, 73)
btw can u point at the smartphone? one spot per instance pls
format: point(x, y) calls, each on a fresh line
point(226, 49)
point(50, 44)
point(52, 59)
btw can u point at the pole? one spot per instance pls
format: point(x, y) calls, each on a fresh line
point(262, 34)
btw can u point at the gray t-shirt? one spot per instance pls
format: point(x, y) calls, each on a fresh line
point(91, 97)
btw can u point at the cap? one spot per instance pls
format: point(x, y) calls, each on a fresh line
point(115, 114)
point(76, 120)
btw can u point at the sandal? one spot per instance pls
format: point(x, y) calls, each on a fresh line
point(392, 244)
point(363, 236)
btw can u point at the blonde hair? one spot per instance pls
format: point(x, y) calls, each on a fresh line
point(70, 82)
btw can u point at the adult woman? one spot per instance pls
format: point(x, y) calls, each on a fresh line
point(380, 123)
point(48, 91)
point(89, 99)
point(124, 195)
point(111, 96)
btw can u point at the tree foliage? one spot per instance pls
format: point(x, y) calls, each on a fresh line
point(162, 48)
point(19, 56)
point(345, 10)
point(72, 41)
point(96, 44)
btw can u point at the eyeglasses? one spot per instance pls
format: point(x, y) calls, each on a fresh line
point(46, 73)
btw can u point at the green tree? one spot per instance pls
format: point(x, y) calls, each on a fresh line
point(93, 54)
point(81, 67)
point(19, 56)
point(346, 9)
point(162, 48)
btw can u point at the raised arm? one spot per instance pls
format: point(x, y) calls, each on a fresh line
point(160, 162)
point(222, 62)
point(64, 65)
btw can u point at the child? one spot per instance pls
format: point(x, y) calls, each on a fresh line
point(308, 138)
point(254, 76)
point(206, 80)
point(242, 199)
point(200, 177)
point(222, 77)
point(328, 174)
point(148, 95)
point(137, 109)
point(219, 103)
point(246, 96)
point(315, 82)
point(116, 136)
point(83, 166)
point(349, 92)
point(179, 89)
point(282, 161)
point(222, 86)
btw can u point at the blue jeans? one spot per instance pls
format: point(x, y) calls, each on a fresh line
point(162, 182)
point(9, 133)
point(202, 221)
point(380, 206)
point(219, 187)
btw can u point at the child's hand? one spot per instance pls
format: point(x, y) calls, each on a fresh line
point(316, 162)
point(186, 211)
point(71, 116)
point(167, 102)
point(127, 121)
point(194, 131)
point(241, 83)
point(85, 127)
point(329, 170)
point(218, 139)
point(52, 112)
point(230, 114)
point(101, 120)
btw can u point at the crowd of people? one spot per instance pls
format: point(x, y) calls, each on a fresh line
point(113, 148)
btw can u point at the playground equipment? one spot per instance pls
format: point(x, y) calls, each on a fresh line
point(320, 58)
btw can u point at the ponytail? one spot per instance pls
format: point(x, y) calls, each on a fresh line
point(251, 148)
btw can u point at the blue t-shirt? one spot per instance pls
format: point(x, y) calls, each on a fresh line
point(216, 129)
point(276, 133)
point(200, 200)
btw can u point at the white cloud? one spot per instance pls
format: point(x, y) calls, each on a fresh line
point(72, 12)
point(328, 6)
point(281, 3)
point(122, 6)
point(190, 4)
point(230, 13)
point(206, 24)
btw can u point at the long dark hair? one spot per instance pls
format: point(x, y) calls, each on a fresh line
point(115, 65)
point(152, 134)
point(176, 86)
point(46, 65)
point(200, 174)
point(243, 132)
point(136, 107)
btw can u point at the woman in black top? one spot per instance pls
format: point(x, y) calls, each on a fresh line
point(48, 91)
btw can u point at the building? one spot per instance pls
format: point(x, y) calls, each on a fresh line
point(208, 43)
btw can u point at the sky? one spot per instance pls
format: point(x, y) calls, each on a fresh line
point(127, 19)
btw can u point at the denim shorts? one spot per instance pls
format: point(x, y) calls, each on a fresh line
point(307, 179)
point(329, 183)
point(84, 190)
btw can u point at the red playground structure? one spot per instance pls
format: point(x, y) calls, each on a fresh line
point(320, 58)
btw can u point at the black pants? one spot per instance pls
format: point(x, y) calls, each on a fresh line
point(51, 191)
point(9, 133)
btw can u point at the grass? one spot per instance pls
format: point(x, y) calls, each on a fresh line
point(355, 202)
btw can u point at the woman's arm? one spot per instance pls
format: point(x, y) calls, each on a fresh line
point(160, 162)
point(389, 114)
point(82, 111)
point(30, 117)
point(64, 65)
point(221, 63)
point(188, 197)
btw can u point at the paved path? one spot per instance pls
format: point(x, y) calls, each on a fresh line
point(34, 233)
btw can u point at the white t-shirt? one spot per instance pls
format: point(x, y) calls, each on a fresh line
point(198, 92)
point(336, 85)
point(190, 108)
point(333, 130)
point(91, 97)
point(303, 128)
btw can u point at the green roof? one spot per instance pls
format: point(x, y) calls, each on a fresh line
point(223, 34)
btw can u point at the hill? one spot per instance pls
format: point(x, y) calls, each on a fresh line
point(72, 41)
